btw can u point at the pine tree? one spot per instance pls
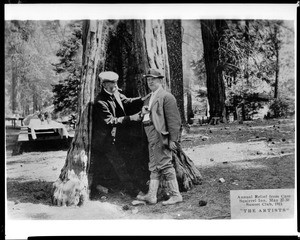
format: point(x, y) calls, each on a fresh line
point(69, 68)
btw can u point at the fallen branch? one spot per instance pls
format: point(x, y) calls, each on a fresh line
point(257, 139)
point(187, 139)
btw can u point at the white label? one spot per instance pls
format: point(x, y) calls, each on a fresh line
point(262, 203)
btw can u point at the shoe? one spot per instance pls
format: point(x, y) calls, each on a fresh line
point(174, 192)
point(151, 196)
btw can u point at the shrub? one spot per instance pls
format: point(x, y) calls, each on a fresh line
point(281, 107)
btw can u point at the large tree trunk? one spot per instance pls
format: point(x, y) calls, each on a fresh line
point(276, 48)
point(174, 47)
point(72, 186)
point(129, 48)
point(14, 83)
point(246, 73)
point(211, 33)
point(189, 106)
point(246, 34)
point(36, 105)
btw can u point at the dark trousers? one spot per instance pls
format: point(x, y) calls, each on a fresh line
point(108, 167)
point(118, 164)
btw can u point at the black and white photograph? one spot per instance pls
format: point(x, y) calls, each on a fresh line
point(149, 119)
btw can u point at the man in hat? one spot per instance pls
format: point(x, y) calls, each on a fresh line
point(109, 117)
point(162, 125)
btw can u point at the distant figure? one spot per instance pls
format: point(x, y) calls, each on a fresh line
point(231, 117)
point(240, 112)
point(48, 117)
point(41, 116)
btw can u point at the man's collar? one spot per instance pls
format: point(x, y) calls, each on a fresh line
point(110, 94)
point(156, 91)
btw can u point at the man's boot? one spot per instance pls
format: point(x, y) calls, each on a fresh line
point(174, 191)
point(151, 196)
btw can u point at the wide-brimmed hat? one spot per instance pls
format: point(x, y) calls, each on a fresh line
point(109, 76)
point(153, 73)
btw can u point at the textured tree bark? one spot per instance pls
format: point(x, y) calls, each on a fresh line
point(246, 68)
point(189, 107)
point(129, 48)
point(276, 48)
point(13, 86)
point(174, 47)
point(72, 186)
point(211, 33)
point(35, 102)
point(246, 33)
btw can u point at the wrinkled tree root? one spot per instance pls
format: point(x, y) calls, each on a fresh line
point(69, 192)
point(187, 173)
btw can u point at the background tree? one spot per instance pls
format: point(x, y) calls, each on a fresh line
point(198, 67)
point(275, 45)
point(28, 70)
point(174, 47)
point(250, 57)
point(212, 32)
point(192, 48)
point(66, 92)
point(14, 55)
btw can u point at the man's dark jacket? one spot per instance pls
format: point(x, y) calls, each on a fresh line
point(106, 112)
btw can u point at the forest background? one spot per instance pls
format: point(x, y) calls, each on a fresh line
point(43, 66)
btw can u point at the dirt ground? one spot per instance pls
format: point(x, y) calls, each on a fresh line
point(254, 155)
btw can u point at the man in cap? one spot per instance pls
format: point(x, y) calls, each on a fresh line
point(162, 125)
point(109, 117)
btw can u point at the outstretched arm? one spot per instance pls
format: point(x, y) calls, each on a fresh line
point(106, 115)
point(133, 105)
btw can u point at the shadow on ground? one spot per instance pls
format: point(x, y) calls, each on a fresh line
point(41, 146)
point(29, 192)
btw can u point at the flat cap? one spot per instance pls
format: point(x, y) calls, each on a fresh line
point(109, 76)
point(153, 73)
